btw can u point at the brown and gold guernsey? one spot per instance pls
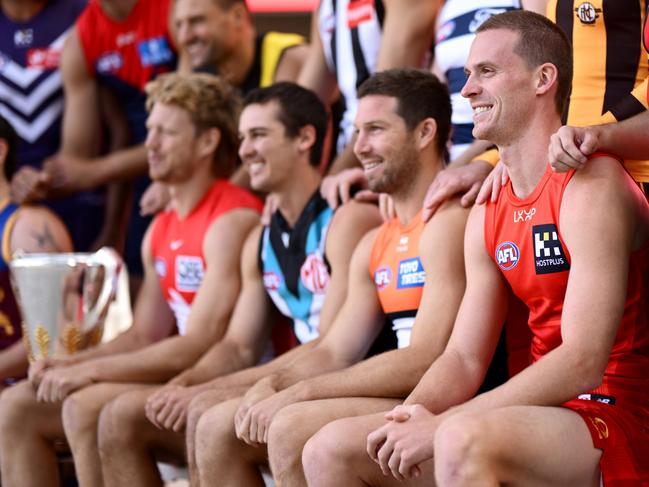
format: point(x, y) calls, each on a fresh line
point(10, 321)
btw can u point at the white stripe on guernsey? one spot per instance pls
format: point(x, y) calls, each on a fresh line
point(462, 111)
point(32, 131)
point(24, 76)
point(454, 9)
point(27, 104)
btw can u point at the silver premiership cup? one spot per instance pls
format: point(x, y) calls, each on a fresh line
point(64, 299)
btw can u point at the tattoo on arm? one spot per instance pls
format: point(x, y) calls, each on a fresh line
point(45, 239)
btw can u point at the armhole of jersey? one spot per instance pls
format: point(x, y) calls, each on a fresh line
point(83, 27)
point(488, 227)
point(272, 49)
point(6, 236)
point(155, 232)
point(373, 262)
point(260, 249)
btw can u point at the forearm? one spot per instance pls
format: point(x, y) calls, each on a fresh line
point(390, 374)
point(155, 363)
point(345, 160)
point(125, 342)
point(476, 148)
point(13, 361)
point(627, 139)
point(121, 165)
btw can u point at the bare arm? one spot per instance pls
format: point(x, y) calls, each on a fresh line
point(291, 62)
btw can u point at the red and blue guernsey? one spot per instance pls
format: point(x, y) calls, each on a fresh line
point(126, 55)
point(177, 244)
point(31, 90)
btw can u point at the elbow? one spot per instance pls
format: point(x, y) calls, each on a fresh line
point(589, 369)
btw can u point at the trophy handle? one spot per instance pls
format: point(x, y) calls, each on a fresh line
point(112, 264)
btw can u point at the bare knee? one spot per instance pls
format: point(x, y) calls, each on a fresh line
point(324, 454)
point(16, 406)
point(117, 425)
point(287, 435)
point(79, 416)
point(460, 449)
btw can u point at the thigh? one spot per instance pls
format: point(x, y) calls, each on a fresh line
point(93, 398)
point(536, 445)
point(19, 408)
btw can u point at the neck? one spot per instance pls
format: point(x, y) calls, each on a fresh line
point(409, 202)
point(293, 197)
point(117, 9)
point(237, 65)
point(21, 10)
point(526, 158)
point(186, 195)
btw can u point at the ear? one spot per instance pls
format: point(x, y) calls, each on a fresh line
point(306, 138)
point(545, 78)
point(208, 142)
point(239, 13)
point(425, 132)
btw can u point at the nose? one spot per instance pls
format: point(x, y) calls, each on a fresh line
point(183, 32)
point(246, 148)
point(151, 139)
point(470, 87)
point(361, 143)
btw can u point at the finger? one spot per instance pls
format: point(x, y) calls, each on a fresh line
point(383, 456)
point(589, 145)
point(367, 195)
point(374, 439)
point(469, 197)
point(415, 472)
point(394, 463)
point(485, 190)
point(344, 191)
point(181, 420)
point(496, 184)
point(391, 211)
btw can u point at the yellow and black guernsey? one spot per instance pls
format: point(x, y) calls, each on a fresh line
point(611, 65)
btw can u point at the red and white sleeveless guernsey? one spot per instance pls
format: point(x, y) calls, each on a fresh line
point(523, 236)
point(177, 244)
point(398, 274)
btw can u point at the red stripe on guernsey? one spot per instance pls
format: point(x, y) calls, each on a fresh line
point(396, 267)
point(177, 244)
point(132, 50)
point(523, 237)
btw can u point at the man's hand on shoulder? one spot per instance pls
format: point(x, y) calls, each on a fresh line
point(570, 147)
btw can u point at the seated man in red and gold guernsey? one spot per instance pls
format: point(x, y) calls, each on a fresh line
point(574, 247)
point(25, 228)
point(190, 255)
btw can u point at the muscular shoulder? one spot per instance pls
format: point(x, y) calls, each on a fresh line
point(349, 223)
point(229, 231)
point(38, 229)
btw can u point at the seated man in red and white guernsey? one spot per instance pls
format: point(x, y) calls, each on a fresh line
point(575, 248)
point(191, 259)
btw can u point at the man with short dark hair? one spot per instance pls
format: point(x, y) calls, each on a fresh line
point(574, 248)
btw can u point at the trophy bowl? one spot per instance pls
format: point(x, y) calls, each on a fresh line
point(63, 299)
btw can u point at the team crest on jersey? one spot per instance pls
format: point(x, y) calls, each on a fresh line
point(154, 51)
point(314, 274)
point(446, 30)
point(411, 273)
point(109, 63)
point(587, 13)
point(160, 267)
point(482, 15)
point(23, 37)
point(382, 277)
point(272, 281)
point(189, 273)
point(549, 256)
point(507, 255)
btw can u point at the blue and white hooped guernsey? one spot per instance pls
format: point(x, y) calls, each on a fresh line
point(459, 19)
point(295, 268)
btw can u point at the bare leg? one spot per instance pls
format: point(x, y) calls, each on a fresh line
point(222, 459)
point(28, 429)
point(295, 424)
point(523, 445)
point(197, 407)
point(129, 442)
point(338, 451)
point(80, 417)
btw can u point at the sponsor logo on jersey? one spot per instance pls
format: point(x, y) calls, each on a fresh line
point(587, 13)
point(189, 273)
point(411, 273)
point(507, 255)
point(109, 63)
point(359, 11)
point(314, 274)
point(125, 38)
point(524, 215)
point(47, 58)
point(160, 267)
point(176, 244)
point(549, 256)
point(154, 51)
point(23, 37)
point(382, 277)
point(403, 244)
point(272, 281)
point(446, 30)
point(600, 426)
point(610, 400)
point(482, 15)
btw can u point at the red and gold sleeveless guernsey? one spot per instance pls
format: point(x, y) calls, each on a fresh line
point(398, 274)
point(177, 245)
point(524, 239)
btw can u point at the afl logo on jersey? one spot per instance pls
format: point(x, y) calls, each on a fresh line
point(272, 281)
point(507, 255)
point(314, 274)
point(160, 267)
point(587, 13)
point(382, 277)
